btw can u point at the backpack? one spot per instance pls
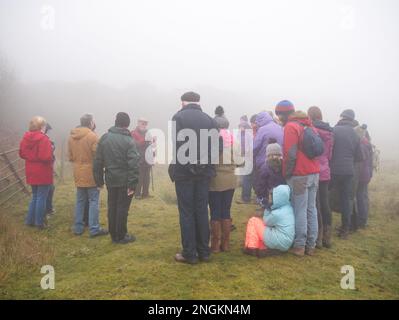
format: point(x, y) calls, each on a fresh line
point(312, 145)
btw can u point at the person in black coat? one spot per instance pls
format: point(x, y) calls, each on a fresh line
point(346, 152)
point(191, 172)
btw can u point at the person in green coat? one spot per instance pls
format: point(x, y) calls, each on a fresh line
point(118, 158)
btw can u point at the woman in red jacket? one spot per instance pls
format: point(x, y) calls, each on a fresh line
point(36, 149)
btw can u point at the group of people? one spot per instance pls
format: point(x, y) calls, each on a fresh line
point(298, 162)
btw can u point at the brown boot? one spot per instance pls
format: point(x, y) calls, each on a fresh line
point(226, 229)
point(216, 231)
point(310, 251)
point(300, 252)
point(327, 237)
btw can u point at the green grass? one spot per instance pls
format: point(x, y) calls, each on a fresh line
point(96, 269)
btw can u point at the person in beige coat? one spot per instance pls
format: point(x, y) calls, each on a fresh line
point(222, 187)
point(82, 146)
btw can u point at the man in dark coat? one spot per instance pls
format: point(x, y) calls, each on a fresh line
point(192, 178)
point(118, 157)
point(346, 152)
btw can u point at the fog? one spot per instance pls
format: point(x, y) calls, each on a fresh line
point(66, 58)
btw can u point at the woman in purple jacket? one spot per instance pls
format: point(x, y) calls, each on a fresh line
point(324, 214)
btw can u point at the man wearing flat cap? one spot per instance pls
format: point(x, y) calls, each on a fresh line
point(192, 181)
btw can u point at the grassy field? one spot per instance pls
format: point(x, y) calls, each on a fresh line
point(96, 269)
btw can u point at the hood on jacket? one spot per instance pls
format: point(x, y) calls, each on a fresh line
point(322, 125)
point(118, 130)
point(347, 122)
point(79, 132)
point(32, 138)
point(281, 196)
point(301, 117)
point(263, 119)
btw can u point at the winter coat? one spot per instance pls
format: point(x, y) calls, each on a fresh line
point(225, 178)
point(266, 129)
point(82, 145)
point(268, 178)
point(346, 150)
point(326, 134)
point(117, 154)
point(142, 146)
point(36, 149)
point(295, 162)
point(280, 221)
point(192, 117)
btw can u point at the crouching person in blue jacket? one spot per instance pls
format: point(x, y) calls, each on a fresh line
point(274, 233)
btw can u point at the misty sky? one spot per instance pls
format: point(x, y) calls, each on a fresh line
point(334, 54)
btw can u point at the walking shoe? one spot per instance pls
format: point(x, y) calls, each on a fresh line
point(299, 252)
point(180, 258)
point(310, 251)
point(205, 259)
point(127, 239)
point(343, 234)
point(101, 232)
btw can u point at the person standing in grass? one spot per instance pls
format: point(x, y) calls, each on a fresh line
point(82, 146)
point(146, 158)
point(191, 172)
point(346, 152)
point(324, 214)
point(35, 148)
point(118, 158)
point(302, 175)
point(222, 187)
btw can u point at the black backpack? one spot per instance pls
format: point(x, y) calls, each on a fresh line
point(312, 145)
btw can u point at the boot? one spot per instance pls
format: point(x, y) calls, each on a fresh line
point(216, 230)
point(327, 237)
point(226, 229)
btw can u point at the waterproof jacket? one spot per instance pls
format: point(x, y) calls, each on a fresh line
point(36, 149)
point(295, 161)
point(266, 129)
point(142, 145)
point(82, 145)
point(346, 150)
point(192, 117)
point(280, 221)
point(225, 178)
point(117, 156)
point(268, 178)
point(326, 134)
point(366, 166)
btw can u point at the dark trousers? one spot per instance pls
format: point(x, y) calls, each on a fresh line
point(220, 204)
point(344, 185)
point(118, 208)
point(192, 199)
point(143, 185)
point(362, 198)
point(323, 204)
point(246, 187)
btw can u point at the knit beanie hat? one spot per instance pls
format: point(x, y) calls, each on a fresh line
point(284, 106)
point(273, 149)
point(122, 120)
point(348, 114)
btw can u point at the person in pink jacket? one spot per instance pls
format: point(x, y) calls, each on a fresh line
point(324, 215)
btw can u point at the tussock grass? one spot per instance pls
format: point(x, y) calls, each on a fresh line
point(96, 269)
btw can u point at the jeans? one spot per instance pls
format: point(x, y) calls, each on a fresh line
point(84, 195)
point(246, 185)
point(304, 192)
point(192, 199)
point(362, 199)
point(37, 206)
point(118, 210)
point(49, 201)
point(344, 185)
point(220, 204)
